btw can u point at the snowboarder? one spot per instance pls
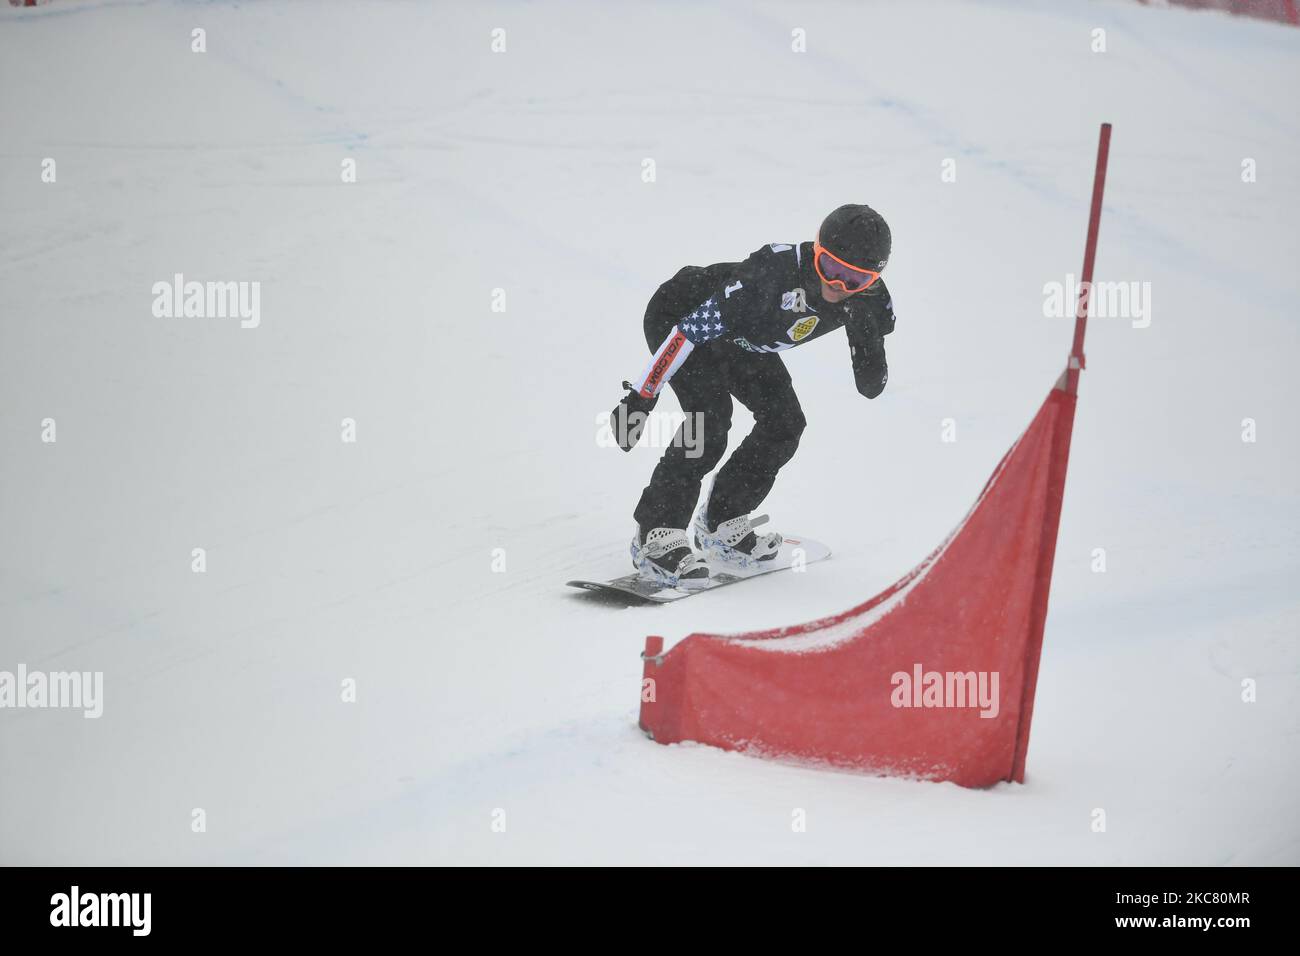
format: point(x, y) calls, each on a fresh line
point(717, 332)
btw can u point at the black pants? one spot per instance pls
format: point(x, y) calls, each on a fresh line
point(705, 385)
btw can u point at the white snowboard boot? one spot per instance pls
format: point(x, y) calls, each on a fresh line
point(735, 541)
point(664, 556)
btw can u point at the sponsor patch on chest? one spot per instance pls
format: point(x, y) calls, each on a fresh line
point(802, 329)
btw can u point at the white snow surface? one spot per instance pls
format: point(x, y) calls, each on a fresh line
point(489, 696)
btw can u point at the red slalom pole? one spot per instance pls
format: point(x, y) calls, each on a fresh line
point(652, 655)
point(1077, 360)
point(1065, 396)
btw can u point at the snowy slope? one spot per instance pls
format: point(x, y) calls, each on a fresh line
point(481, 691)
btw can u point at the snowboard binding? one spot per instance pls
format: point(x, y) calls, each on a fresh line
point(735, 541)
point(664, 556)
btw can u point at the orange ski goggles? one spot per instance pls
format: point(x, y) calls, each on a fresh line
point(837, 272)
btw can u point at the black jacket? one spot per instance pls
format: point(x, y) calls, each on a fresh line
point(768, 303)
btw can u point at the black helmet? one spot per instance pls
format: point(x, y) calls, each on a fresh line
point(857, 235)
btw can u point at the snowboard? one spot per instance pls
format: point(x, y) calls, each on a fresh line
point(721, 575)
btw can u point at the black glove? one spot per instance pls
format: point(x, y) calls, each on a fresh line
point(870, 371)
point(629, 417)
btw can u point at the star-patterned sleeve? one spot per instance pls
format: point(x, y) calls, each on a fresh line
point(704, 323)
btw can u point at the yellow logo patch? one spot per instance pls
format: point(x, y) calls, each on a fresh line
point(802, 329)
